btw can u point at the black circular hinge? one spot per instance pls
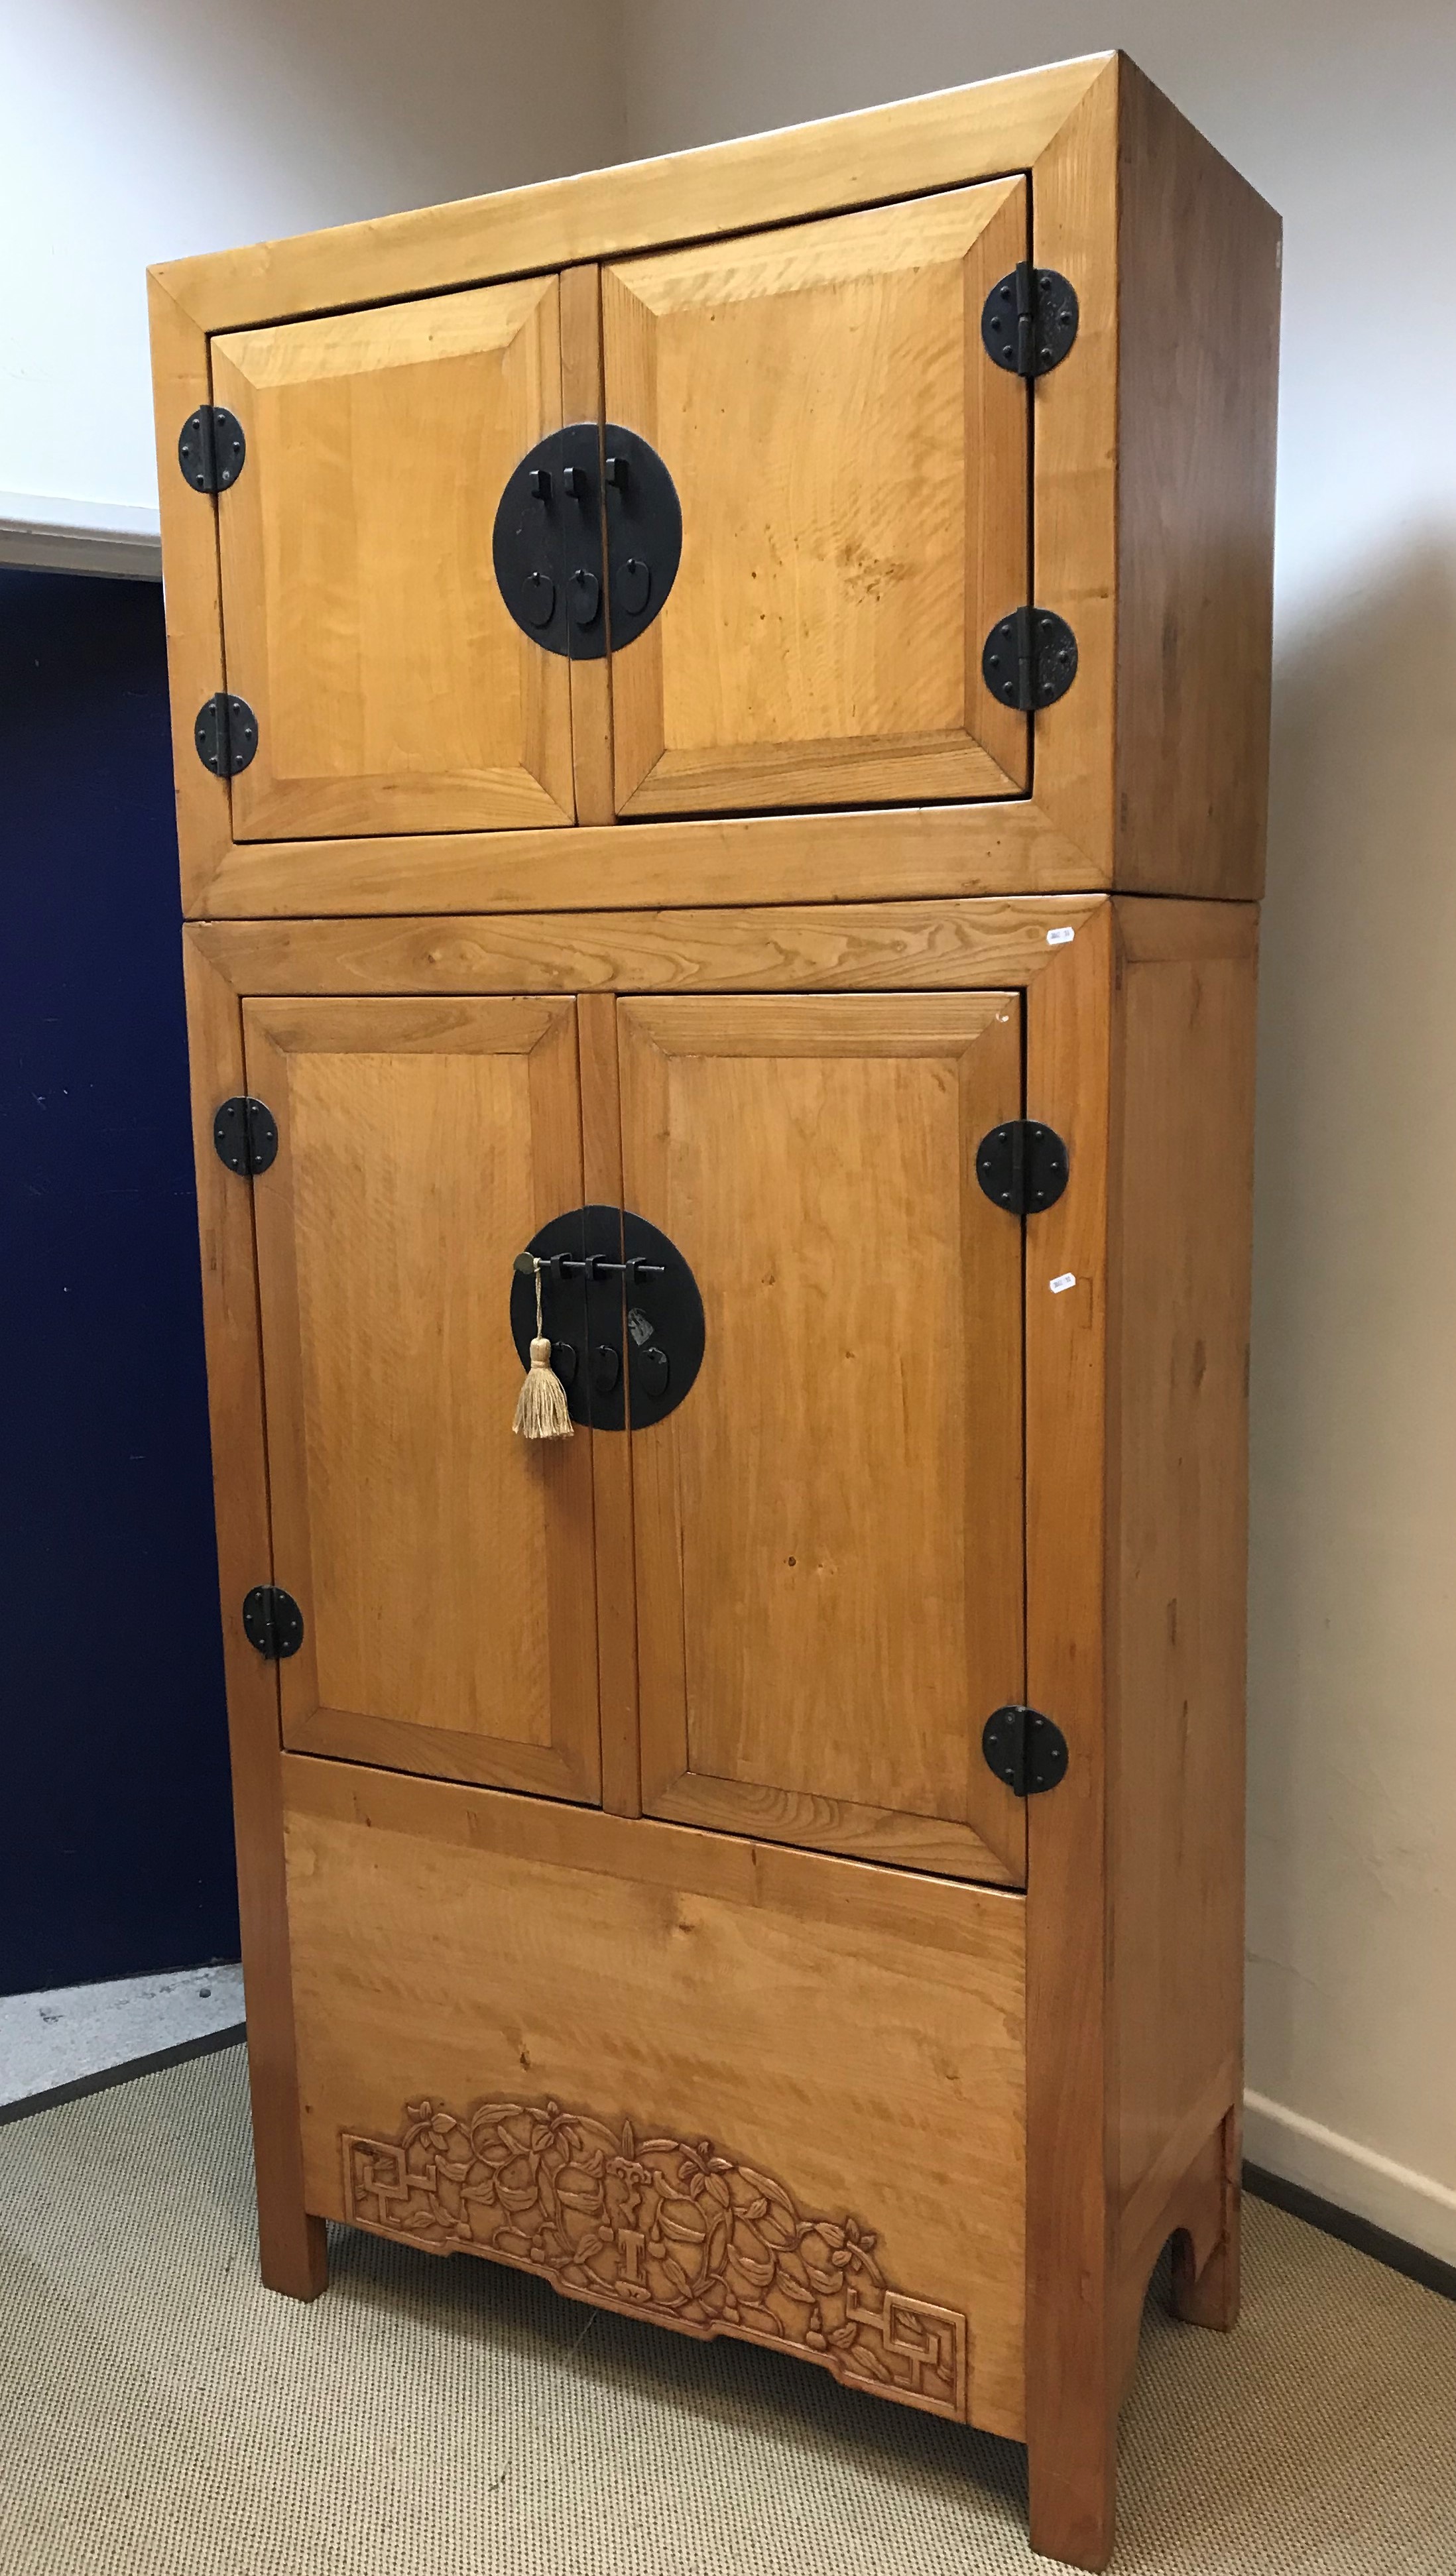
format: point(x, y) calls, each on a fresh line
point(211, 448)
point(245, 1133)
point(1029, 659)
point(1022, 1166)
point(617, 1291)
point(226, 734)
point(1025, 1749)
point(1029, 320)
point(272, 1621)
point(587, 540)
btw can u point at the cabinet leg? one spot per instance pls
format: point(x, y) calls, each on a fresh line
point(1072, 2474)
point(1206, 2292)
point(293, 2251)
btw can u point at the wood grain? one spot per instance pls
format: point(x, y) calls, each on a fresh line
point(601, 1126)
point(1182, 1145)
point(842, 566)
point(948, 851)
point(591, 682)
point(444, 1567)
point(459, 1944)
point(1075, 467)
point(365, 626)
point(192, 597)
point(849, 947)
point(828, 1531)
point(1196, 418)
point(293, 2254)
point(1072, 2386)
point(942, 141)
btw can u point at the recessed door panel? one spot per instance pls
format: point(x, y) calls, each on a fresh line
point(361, 618)
point(852, 472)
point(443, 1565)
point(828, 1528)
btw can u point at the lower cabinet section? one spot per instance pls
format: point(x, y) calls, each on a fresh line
point(726, 2086)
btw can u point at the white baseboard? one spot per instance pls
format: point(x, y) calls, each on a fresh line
point(48, 535)
point(1355, 2178)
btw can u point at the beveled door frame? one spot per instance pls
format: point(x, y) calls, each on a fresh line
point(1060, 128)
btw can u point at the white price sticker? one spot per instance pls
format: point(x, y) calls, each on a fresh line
point(1059, 938)
point(1064, 1279)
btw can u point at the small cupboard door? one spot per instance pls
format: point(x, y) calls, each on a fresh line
point(362, 622)
point(852, 470)
point(828, 1527)
point(443, 1566)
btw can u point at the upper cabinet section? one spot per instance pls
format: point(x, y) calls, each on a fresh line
point(362, 623)
point(697, 507)
point(851, 468)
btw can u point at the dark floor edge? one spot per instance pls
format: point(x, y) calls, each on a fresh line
point(1392, 2251)
point(127, 2073)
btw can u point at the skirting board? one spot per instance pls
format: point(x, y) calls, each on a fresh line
point(1393, 2198)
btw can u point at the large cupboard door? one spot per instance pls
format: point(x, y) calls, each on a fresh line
point(443, 1566)
point(852, 470)
point(361, 618)
point(828, 1527)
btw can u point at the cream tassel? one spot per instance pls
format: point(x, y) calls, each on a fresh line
point(541, 1407)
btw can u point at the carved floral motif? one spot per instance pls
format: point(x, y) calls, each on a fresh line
point(657, 2227)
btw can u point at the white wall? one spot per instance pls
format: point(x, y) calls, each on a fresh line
point(139, 130)
point(1341, 115)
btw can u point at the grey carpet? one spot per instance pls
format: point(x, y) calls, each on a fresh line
point(164, 2416)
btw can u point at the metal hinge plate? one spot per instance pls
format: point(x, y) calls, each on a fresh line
point(1029, 659)
point(1025, 1749)
point(226, 734)
point(272, 1621)
point(211, 448)
point(1029, 320)
point(245, 1133)
point(1022, 1166)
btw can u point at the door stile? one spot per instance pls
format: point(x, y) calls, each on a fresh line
point(292, 2249)
point(591, 681)
point(616, 1582)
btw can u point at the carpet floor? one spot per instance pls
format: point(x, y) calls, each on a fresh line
point(163, 2413)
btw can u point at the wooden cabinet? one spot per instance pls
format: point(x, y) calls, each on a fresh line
point(859, 1026)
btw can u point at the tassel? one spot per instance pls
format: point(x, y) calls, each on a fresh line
point(541, 1407)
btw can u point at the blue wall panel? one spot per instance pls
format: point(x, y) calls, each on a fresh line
point(115, 1842)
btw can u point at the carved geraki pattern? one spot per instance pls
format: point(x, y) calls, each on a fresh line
point(656, 2227)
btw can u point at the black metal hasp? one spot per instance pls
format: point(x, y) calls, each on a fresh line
point(245, 1133)
point(1025, 1749)
point(211, 448)
point(587, 539)
point(1022, 1166)
point(272, 1621)
point(1029, 659)
point(1029, 320)
point(621, 1310)
point(226, 734)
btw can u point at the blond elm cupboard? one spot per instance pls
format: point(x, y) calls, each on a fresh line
point(625, 836)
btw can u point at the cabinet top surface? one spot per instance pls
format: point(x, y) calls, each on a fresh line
point(950, 136)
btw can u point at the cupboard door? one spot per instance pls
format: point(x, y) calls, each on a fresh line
point(828, 1527)
point(361, 617)
point(853, 476)
point(443, 1566)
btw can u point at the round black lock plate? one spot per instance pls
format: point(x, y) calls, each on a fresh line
point(587, 538)
point(615, 1284)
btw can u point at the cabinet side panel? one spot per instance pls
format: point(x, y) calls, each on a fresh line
point(1178, 1357)
point(1198, 362)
